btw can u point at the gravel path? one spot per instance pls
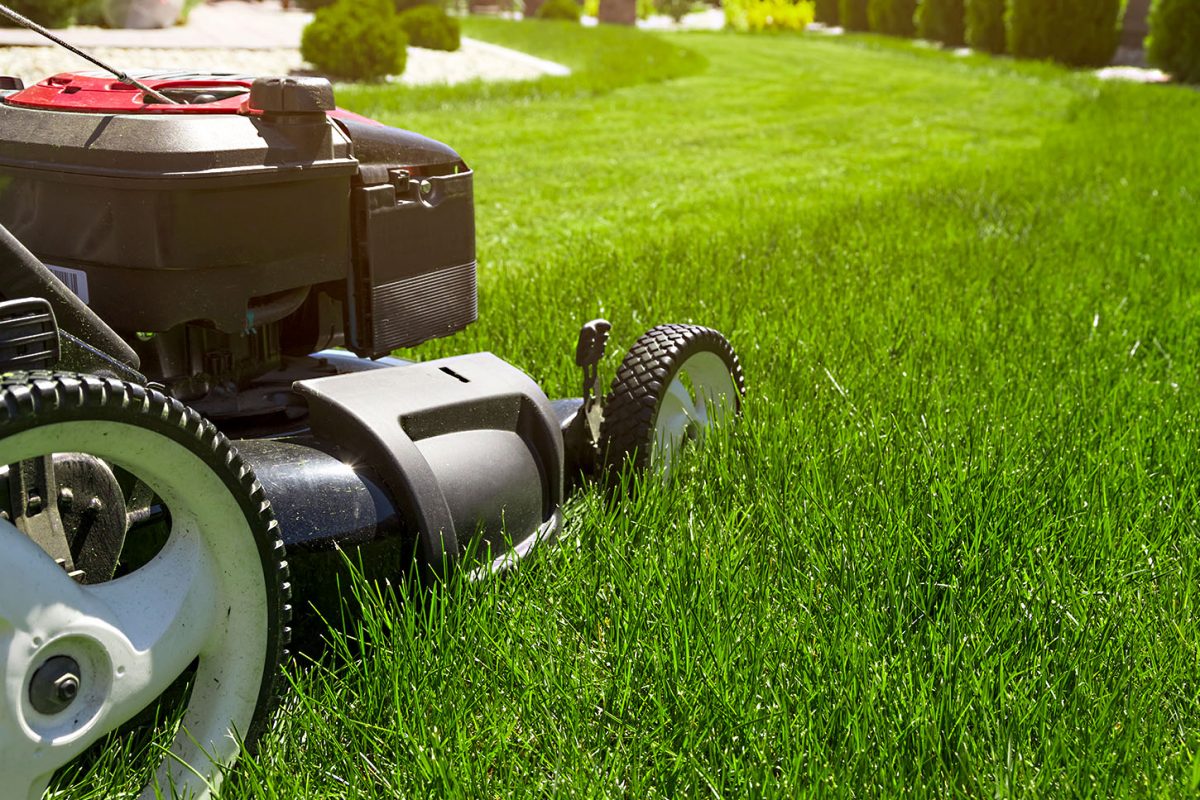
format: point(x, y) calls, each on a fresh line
point(474, 60)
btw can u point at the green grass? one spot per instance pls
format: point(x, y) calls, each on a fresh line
point(601, 60)
point(952, 549)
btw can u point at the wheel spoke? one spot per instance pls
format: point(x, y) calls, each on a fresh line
point(165, 610)
point(682, 396)
point(37, 784)
point(699, 402)
point(674, 416)
point(78, 661)
point(35, 592)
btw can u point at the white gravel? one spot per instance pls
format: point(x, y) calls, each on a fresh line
point(1134, 74)
point(475, 60)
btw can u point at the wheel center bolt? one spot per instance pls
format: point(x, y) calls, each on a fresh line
point(67, 687)
point(55, 685)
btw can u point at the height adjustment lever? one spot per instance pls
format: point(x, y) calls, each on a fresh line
point(593, 339)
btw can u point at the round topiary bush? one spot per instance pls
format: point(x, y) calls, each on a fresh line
point(853, 14)
point(559, 9)
point(984, 25)
point(893, 17)
point(1174, 41)
point(675, 9)
point(405, 5)
point(942, 21)
point(826, 12)
point(356, 39)
point(1082, 33)
point(431, 28)
point(48, 13)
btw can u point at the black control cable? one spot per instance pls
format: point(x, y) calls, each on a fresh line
point(24, 22)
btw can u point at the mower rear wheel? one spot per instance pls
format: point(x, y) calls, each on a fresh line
point(675, 383)
point(213, 596)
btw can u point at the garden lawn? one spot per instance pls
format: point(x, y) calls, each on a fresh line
point(953, 547)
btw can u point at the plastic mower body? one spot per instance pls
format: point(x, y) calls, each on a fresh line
point(200, 288)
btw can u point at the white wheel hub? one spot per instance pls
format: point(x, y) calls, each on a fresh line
point(702, 393)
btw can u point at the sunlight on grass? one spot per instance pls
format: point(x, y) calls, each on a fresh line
point(952, 549)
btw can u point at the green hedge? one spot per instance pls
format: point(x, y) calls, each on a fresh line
point(431, 28)
point(560, 9)
point(757, 16)
point(1082, 33)
point(356, 39)
point(826, 12)
point(48, 13)
point(1174, 41)
point(893, 17)
point(942, 21)
point(853, 14)
point(404, 5)
point(984, 25)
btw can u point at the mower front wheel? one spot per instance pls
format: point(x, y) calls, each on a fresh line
point(676, 382)
point(80, 655)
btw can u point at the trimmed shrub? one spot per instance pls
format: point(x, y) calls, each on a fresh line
point(1082, 33)
point(48, 13)
point(756, 16)
point(1174, 41)
point(984, 25)
point(431, 28)
point(404, 5)
point(560, 9)
point(91, 12)
point(826, 12)
point(853, 14)
point(942, 21)
point(401, 5)
point(675, 9)
point(356, 39)
point(893, 17)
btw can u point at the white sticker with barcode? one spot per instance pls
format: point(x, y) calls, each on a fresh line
point(75, 279)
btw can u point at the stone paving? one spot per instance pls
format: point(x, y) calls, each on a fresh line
point(232, 24)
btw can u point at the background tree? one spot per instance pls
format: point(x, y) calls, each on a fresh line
point(1081, 33)
point(984, 25)
point(853, 15)
point(826, 12)
point(893, 17)
point(1174, 41)
point(942, 21)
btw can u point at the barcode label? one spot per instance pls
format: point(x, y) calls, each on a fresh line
point(75, 279)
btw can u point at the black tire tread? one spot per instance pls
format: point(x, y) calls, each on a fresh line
point(633, 400)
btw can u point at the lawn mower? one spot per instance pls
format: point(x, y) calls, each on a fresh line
point(202, 280)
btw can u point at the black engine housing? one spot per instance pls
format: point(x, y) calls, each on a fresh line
point(253, 221)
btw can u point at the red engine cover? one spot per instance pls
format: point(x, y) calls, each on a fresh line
point(101, 93)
